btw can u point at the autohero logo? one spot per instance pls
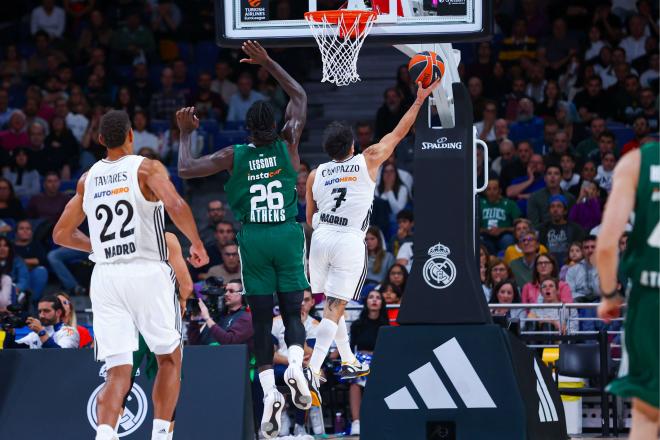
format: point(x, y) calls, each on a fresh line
point(442, 144)
point(134, 414)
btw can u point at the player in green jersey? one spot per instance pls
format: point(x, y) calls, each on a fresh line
point(636, 186)
point(262, 194)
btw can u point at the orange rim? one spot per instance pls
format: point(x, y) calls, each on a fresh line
point(350, 17)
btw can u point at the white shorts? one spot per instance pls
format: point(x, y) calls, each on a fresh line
point(128, 298)
point(337, 264)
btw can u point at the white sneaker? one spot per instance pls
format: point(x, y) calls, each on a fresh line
point(300, 395)
point(272, 418)
point(355, 427)
point(314, 382)
point(353, 370)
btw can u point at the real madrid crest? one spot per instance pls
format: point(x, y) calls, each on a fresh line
point(439, 271)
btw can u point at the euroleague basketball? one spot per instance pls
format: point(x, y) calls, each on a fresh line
point(426, 67)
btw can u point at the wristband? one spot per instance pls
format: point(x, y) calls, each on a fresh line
point(41, 333)
point(609, 295)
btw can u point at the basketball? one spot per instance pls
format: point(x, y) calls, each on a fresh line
point(426, 67)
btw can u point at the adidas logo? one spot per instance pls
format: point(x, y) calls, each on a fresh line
point(433, 391)
point(547, 410)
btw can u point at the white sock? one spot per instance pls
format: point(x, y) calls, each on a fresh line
point(296, 355)
point(267, 379)
point(105, 432)
point(343, 343)
point(325, 333)
point(160, 430)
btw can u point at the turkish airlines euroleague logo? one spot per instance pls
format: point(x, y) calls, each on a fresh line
point(254, 3)
point(254, 10)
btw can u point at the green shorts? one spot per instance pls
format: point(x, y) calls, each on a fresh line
point(640, 363)
point(151, 366)
point(272, 258)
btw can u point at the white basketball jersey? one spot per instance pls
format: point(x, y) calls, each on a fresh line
point(123, 225)
point(344, 193)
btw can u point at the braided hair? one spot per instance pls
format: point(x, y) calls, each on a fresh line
point(260, 120)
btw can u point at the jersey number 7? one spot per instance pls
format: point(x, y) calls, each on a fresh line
point(341, 197)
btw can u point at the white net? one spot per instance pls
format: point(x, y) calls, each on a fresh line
point(340, 43)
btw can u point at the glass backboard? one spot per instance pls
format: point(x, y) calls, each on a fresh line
point(282, 23)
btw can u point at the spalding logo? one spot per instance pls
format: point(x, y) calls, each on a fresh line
point(442, 144)
point(254, 3)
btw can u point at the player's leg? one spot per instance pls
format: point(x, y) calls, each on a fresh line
point(166, 392)
point(645, 421)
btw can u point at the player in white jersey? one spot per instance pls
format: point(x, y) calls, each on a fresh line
point(339, 198)
point(132, 288)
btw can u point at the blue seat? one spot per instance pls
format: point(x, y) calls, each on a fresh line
point(210, 126)
point(154, 74)
point(185, 52)
point(206, 54)
point(159, 126)
point(622, 135)
point(68, 185)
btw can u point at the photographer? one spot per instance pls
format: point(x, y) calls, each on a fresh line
point(49, 331)
point(231, 324)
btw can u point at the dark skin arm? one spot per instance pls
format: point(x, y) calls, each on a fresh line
point(296, 111)
point(155, 184)
point(207, 165)
point(66, 232)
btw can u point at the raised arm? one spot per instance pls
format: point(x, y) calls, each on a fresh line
point(66, 232)
point(378, 153)
point(190, 167)
point(310, 207)
point(154, 175)
point(296, 111)
point(619, 206)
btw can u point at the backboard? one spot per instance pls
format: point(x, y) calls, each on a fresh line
point(281, 22)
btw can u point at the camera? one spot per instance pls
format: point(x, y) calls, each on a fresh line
point(17, 313)
point(213, 292)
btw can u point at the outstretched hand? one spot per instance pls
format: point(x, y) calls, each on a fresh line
point(186, 120)
point(255, 52)
point(423, 93)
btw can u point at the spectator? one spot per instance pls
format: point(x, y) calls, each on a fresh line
point(605, 171)
point(49, 204)
point(222, 84)
point(61, 151)
point(142, 138)
point(405, 222)
point(522, 267)
point(21, 175)
point(547, 107)
point(10, 206)
point(301, 191)
point(557, 233)
point(625, 100)
point(232, 325)
point(550, 129)
point(92, 150)
point(165, 103)
point(390, 113)
point(397, 276)
point(527, 126)
point(507, 156)
point(141, 89)
point(231, 264)
point(521, 227)
point(378, 260)
point(497, 215)
point(596, 43)
point(587, 210)
point(476, 90)
point(125, 101)
point(182, 81)
point(58, 260)
point(364, 134)
point(49, 331)
point(536, 87)
point(545, 266)
point(48, 18)
point(392, 296)
point(364, 332)
point(583, 277)
point(606, 144)
point(574, 257)
point(392, 190)
point(506, 292)
point(633, 44)
point(550, 291)
point(267, 86)
point(5, 110)
point(71, 320)
point(522, 188)
point(568, 177)
point(496, 272)
point(33, 256)
point(37, 137)
point(166, 20)
point(486, 127)
point(406, 177)
point(76, 120)
point(242, 100)
point(560, 48)
point(215, 213)
point(13, 68)
point(133, 42)
point(649, 77)
point(586, 146)
point(647, 100)
point(16, 135)
point(560, 146)
point(14, 266)
point(592, 102)
point(641, 130)
point(519, 45)
point(208, 104)
point(518, 167)
point(539, 202)
point(31, 110)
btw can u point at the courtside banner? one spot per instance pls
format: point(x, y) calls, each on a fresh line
point(51, 394)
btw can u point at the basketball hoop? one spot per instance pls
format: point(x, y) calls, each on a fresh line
point(340, 34)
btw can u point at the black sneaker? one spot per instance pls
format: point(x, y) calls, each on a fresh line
point(314, 383)
point(353, 370)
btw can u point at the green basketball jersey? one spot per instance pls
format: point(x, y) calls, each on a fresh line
point(262, 187)
point(642, 259)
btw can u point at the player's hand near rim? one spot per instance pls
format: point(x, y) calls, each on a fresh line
point(256, 53)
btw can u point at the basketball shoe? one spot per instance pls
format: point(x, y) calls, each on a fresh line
point(300, 393)
point(314, 383)
point(353, 370)
point(272, 419)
